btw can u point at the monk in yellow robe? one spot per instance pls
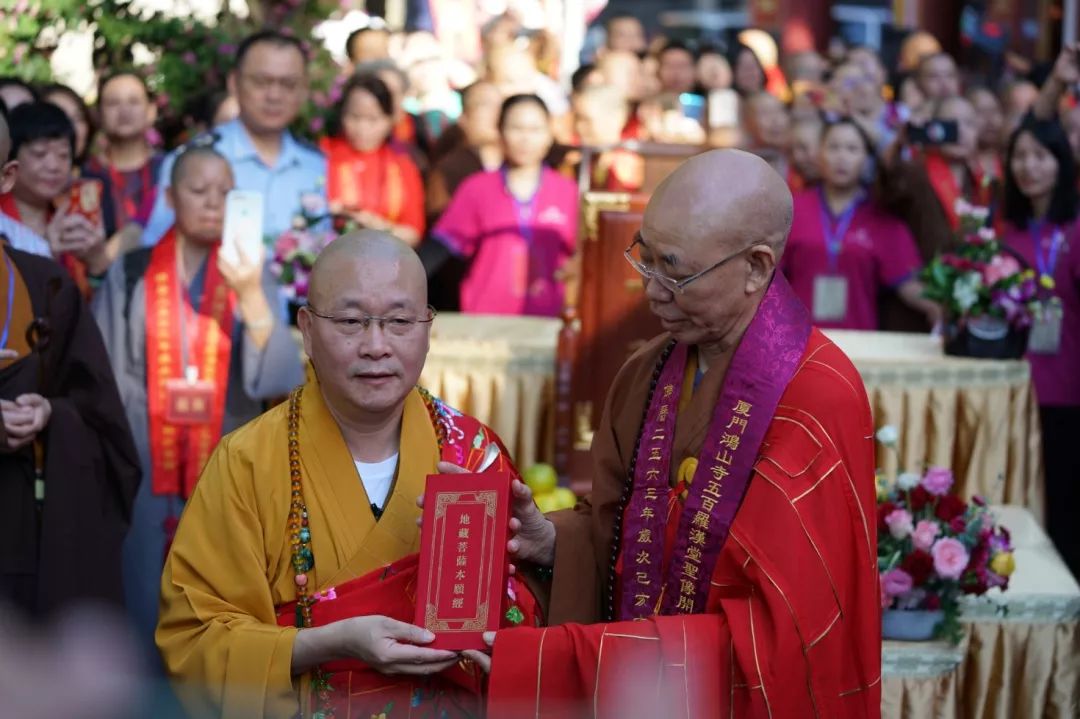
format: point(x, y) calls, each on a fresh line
point(290, 584)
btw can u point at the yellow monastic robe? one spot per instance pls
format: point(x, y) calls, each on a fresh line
point(229, 566)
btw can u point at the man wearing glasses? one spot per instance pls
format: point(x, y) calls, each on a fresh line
point(296, 554)
point(270, 83)
point(725, 561)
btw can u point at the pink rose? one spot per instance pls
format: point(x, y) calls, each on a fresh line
point(896, 582)
point(287, 244)
point(950, 558)
point(1001, 267)
point(899, 523)
point(926, 531)
point(938, 480)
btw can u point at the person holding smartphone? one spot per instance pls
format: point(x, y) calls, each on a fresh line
point(931, 166)
point(43, 144)
point(197, 347)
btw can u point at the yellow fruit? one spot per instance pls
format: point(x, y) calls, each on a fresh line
point(548, 502)
point(566, 498)
point(1003, 564)
point(541, 478)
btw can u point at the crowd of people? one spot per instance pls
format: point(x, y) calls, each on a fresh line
point(148, 344)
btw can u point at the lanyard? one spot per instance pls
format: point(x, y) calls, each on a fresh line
point(10, 301)
point(185, 309)
point(524, 210)
point(1046, 263)
point(834, 228)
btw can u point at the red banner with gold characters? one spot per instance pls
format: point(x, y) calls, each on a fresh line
point(187, 367)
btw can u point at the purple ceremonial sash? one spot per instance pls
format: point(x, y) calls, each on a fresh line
point(763, 365)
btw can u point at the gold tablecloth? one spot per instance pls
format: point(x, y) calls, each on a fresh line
point(500, 370)
point(1019, 665)
point(978, 417)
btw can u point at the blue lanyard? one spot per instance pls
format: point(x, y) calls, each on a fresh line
point(1046, 263)
point(834, 228)
point(524, 210)
point(10, 301)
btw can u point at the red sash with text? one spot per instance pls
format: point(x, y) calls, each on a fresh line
point(186, 403)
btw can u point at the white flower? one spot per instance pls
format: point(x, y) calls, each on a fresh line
point(980, 213)
point(908, 481)
point(966, 290)
point(987, 234)
point(962, 207)
point(888, 435)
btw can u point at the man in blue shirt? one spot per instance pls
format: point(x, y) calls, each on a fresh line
point(270, 84)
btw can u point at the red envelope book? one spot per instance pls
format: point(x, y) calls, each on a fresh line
point(464, 566)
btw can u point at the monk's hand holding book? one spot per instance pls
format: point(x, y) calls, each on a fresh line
point(532, 535)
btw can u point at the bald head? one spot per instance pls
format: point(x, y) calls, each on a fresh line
point(334, 269)
point(367, 327)
point(714, 231)
point(726, 198)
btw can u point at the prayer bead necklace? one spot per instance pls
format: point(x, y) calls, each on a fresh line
point(303, 559)
point(628, 488)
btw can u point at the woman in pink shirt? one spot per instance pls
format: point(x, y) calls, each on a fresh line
point(516, 225)
point(1040, 210)
point(844, 248)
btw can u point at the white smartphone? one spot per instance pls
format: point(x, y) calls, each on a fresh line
point(723, 109)
point(243, 225)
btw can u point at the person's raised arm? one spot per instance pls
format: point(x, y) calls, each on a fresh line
point(1066, 74)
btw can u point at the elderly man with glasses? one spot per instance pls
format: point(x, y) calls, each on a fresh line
point(270, 83)
point(291, 581)
point(725, 563)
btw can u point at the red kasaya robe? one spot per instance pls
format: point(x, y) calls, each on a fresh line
point(791, 626)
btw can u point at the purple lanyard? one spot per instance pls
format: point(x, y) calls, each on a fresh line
point(10, 301)
point(834, 228)
point(524, 210)
point(1046, 263)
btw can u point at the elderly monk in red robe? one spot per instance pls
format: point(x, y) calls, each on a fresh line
point(291, 582)
point(725, 563)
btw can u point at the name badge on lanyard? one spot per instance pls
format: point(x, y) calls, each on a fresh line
point(188, 401)
point(1045, 337)
point(831, 289)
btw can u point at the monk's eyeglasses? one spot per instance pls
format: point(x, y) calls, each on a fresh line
point(675, 286)
point(396, 325)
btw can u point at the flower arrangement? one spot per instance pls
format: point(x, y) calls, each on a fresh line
point(295, 249)
point(933, 546)
point(980, 278)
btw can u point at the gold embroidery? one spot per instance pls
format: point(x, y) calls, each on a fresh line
point(871, 685)
point(827, 630)
point(757, 664)
point(540, 669)
point(870, 548)
point(815, 486)
point(596, 686)
point(837, 373)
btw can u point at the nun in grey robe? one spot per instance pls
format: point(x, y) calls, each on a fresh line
point(255, 376)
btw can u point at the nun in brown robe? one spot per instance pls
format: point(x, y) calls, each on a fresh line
point(66, 496)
